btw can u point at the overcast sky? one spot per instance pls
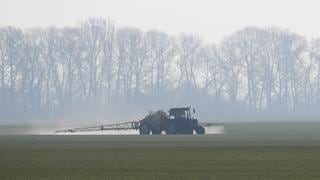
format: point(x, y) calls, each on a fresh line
point(211, 19)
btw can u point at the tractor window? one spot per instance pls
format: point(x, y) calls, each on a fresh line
point(176, 114)
point(183, 114)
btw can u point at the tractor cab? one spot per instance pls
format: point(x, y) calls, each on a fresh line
point(180, 113)
point(181, 121)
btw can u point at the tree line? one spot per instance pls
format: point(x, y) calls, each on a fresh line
point(96, 65)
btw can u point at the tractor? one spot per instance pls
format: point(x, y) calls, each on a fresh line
point(179, 121)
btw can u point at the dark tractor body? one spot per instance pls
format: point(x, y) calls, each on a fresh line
point(179, 121)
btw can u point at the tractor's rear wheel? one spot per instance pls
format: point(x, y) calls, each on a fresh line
point(144, 129)
point(171, 129)
point(200, 130)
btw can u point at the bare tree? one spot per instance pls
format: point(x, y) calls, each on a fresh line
point(12, 44)
point(314, 70)
point(93, 35)
point(232, 68)
point(107, 64)
point(161, 54)
point(213, 73)
point(189, 50)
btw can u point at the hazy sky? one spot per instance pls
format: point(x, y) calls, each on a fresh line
point(211, 19)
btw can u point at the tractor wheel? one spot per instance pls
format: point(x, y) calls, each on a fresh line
point(171, 129)
point(144, 129)
point(199, 130)
point(156, 131)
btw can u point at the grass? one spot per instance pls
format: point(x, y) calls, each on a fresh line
point(246, 151)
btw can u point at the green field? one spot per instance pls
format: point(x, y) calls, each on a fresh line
point(246, 151)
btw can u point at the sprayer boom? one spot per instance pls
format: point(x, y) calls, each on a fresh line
point(118, 126)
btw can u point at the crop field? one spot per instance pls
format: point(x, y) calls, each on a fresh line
point(246, 151)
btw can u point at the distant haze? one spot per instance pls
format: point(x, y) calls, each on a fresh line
point(212, 19)
point(92, 62)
